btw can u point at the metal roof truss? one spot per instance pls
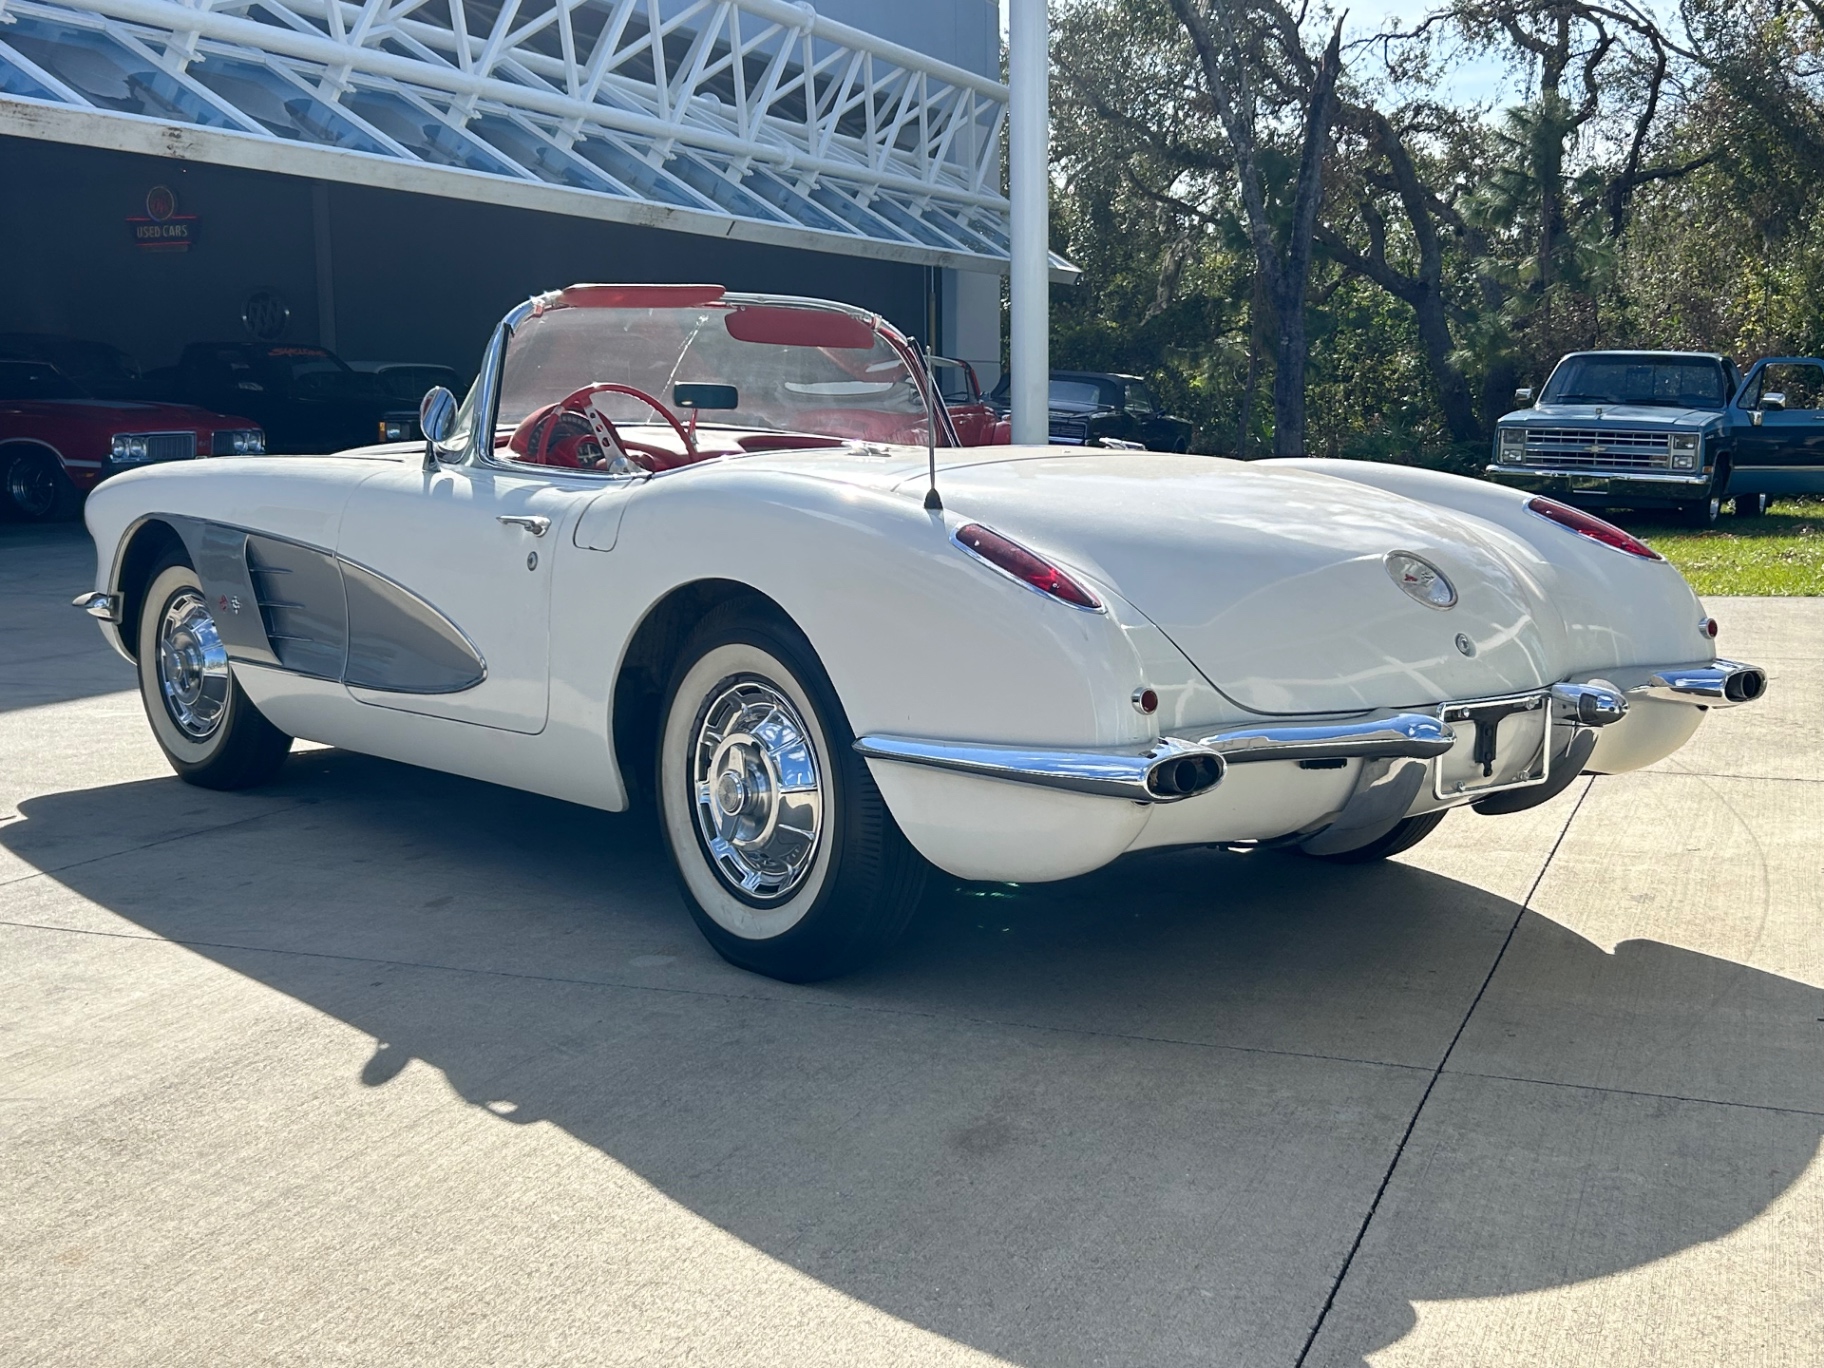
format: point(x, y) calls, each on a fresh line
point(751, 119)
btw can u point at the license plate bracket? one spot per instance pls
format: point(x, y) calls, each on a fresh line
point(1502, 743)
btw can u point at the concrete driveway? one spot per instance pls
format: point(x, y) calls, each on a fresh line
point(377, 1066)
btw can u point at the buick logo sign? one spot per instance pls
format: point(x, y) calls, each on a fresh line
point(265, 315)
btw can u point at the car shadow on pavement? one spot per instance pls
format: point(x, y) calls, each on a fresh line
point(50, 652)
point(1138, 1117)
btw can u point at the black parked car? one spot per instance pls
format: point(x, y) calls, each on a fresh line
point(1089, 408)
point(306, 398)
point(405, 383)
point(100, 370)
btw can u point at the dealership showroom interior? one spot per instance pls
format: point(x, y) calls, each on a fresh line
point(846, 682)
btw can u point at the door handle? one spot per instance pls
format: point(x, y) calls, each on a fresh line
point(532, 522)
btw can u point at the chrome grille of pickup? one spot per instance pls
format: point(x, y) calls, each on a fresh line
point(1597, 449)
point(170, 446)
point(1070, 429)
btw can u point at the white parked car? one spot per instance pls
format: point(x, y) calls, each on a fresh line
point(680, 545)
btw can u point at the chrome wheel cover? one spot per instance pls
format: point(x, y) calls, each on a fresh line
point(32, 486)
point(756, 789)
point(192, 666)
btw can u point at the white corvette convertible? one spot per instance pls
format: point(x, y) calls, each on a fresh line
point(721, 552)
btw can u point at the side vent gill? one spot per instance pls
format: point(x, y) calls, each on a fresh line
point(299, 591)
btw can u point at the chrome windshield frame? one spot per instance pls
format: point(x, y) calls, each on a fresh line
point(483, 399)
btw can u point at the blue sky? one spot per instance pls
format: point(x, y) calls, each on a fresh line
point(1476, 80)
point(1473, 80)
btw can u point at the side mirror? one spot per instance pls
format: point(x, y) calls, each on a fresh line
point(437, 416)
point(1774, 401)
point(1524, 398)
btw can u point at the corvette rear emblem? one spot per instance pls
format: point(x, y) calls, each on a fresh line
point(1420, 579)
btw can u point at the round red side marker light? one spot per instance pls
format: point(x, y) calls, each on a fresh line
point(1146, 701)
point(1708, 627)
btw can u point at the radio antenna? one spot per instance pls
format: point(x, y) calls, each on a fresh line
point(933, 503)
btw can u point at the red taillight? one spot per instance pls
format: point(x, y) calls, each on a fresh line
point(1707, 626)
point(1023, 565)
point(1588, 525)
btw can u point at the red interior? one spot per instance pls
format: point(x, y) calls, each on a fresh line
point(573, 445)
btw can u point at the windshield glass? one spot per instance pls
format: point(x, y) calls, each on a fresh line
point(411, 382)
point(1656, 381)
point(312, 373)
point(95, 367)
point(953, 385)
point(21, 380)
point(777, 367)
point(1075, 392)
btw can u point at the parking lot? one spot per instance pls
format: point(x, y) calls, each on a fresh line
point(380, 1066)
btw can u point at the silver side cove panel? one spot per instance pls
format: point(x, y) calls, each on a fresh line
point(398, 642)
point(289, 606)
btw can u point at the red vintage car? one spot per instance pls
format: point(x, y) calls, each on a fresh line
point(977, 423)
point(57, 442)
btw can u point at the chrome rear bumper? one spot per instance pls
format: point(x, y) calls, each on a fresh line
point(1417, 735)
point(1173, 768)
point(1167, 771)
point(98, 605)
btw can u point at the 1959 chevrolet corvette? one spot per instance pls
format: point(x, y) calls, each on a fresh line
point(722, 552)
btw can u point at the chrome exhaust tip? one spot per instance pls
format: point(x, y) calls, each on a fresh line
point(1744, 683)
point(1184, 775)
point(1720, 684)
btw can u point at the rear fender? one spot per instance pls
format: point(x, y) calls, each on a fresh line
point(919, 638)
point(1615, 609)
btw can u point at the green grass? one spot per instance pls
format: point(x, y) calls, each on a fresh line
point(1780, 554)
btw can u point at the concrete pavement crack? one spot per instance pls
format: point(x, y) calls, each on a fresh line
point(1399, 1150)
point(1637, 1092)
point(1749, 778)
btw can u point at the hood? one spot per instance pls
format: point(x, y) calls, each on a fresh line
point(1635, 415)
point(1065, 409)
point(1273, 580)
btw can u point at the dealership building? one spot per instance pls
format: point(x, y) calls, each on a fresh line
point(387, 178)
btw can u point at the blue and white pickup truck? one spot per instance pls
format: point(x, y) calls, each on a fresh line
point(1677, 430)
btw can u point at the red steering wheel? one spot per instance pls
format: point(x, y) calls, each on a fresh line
point(649, 458)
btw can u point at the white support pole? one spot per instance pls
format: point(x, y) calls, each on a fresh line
point(1029, 177)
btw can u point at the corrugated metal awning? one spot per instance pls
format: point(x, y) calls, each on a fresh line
point(750, 119)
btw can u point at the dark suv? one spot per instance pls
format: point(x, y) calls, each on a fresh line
point(1096, 408)
point(306, 398)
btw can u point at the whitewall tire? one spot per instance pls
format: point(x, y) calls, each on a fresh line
point(785, 852)
point(207, 727)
